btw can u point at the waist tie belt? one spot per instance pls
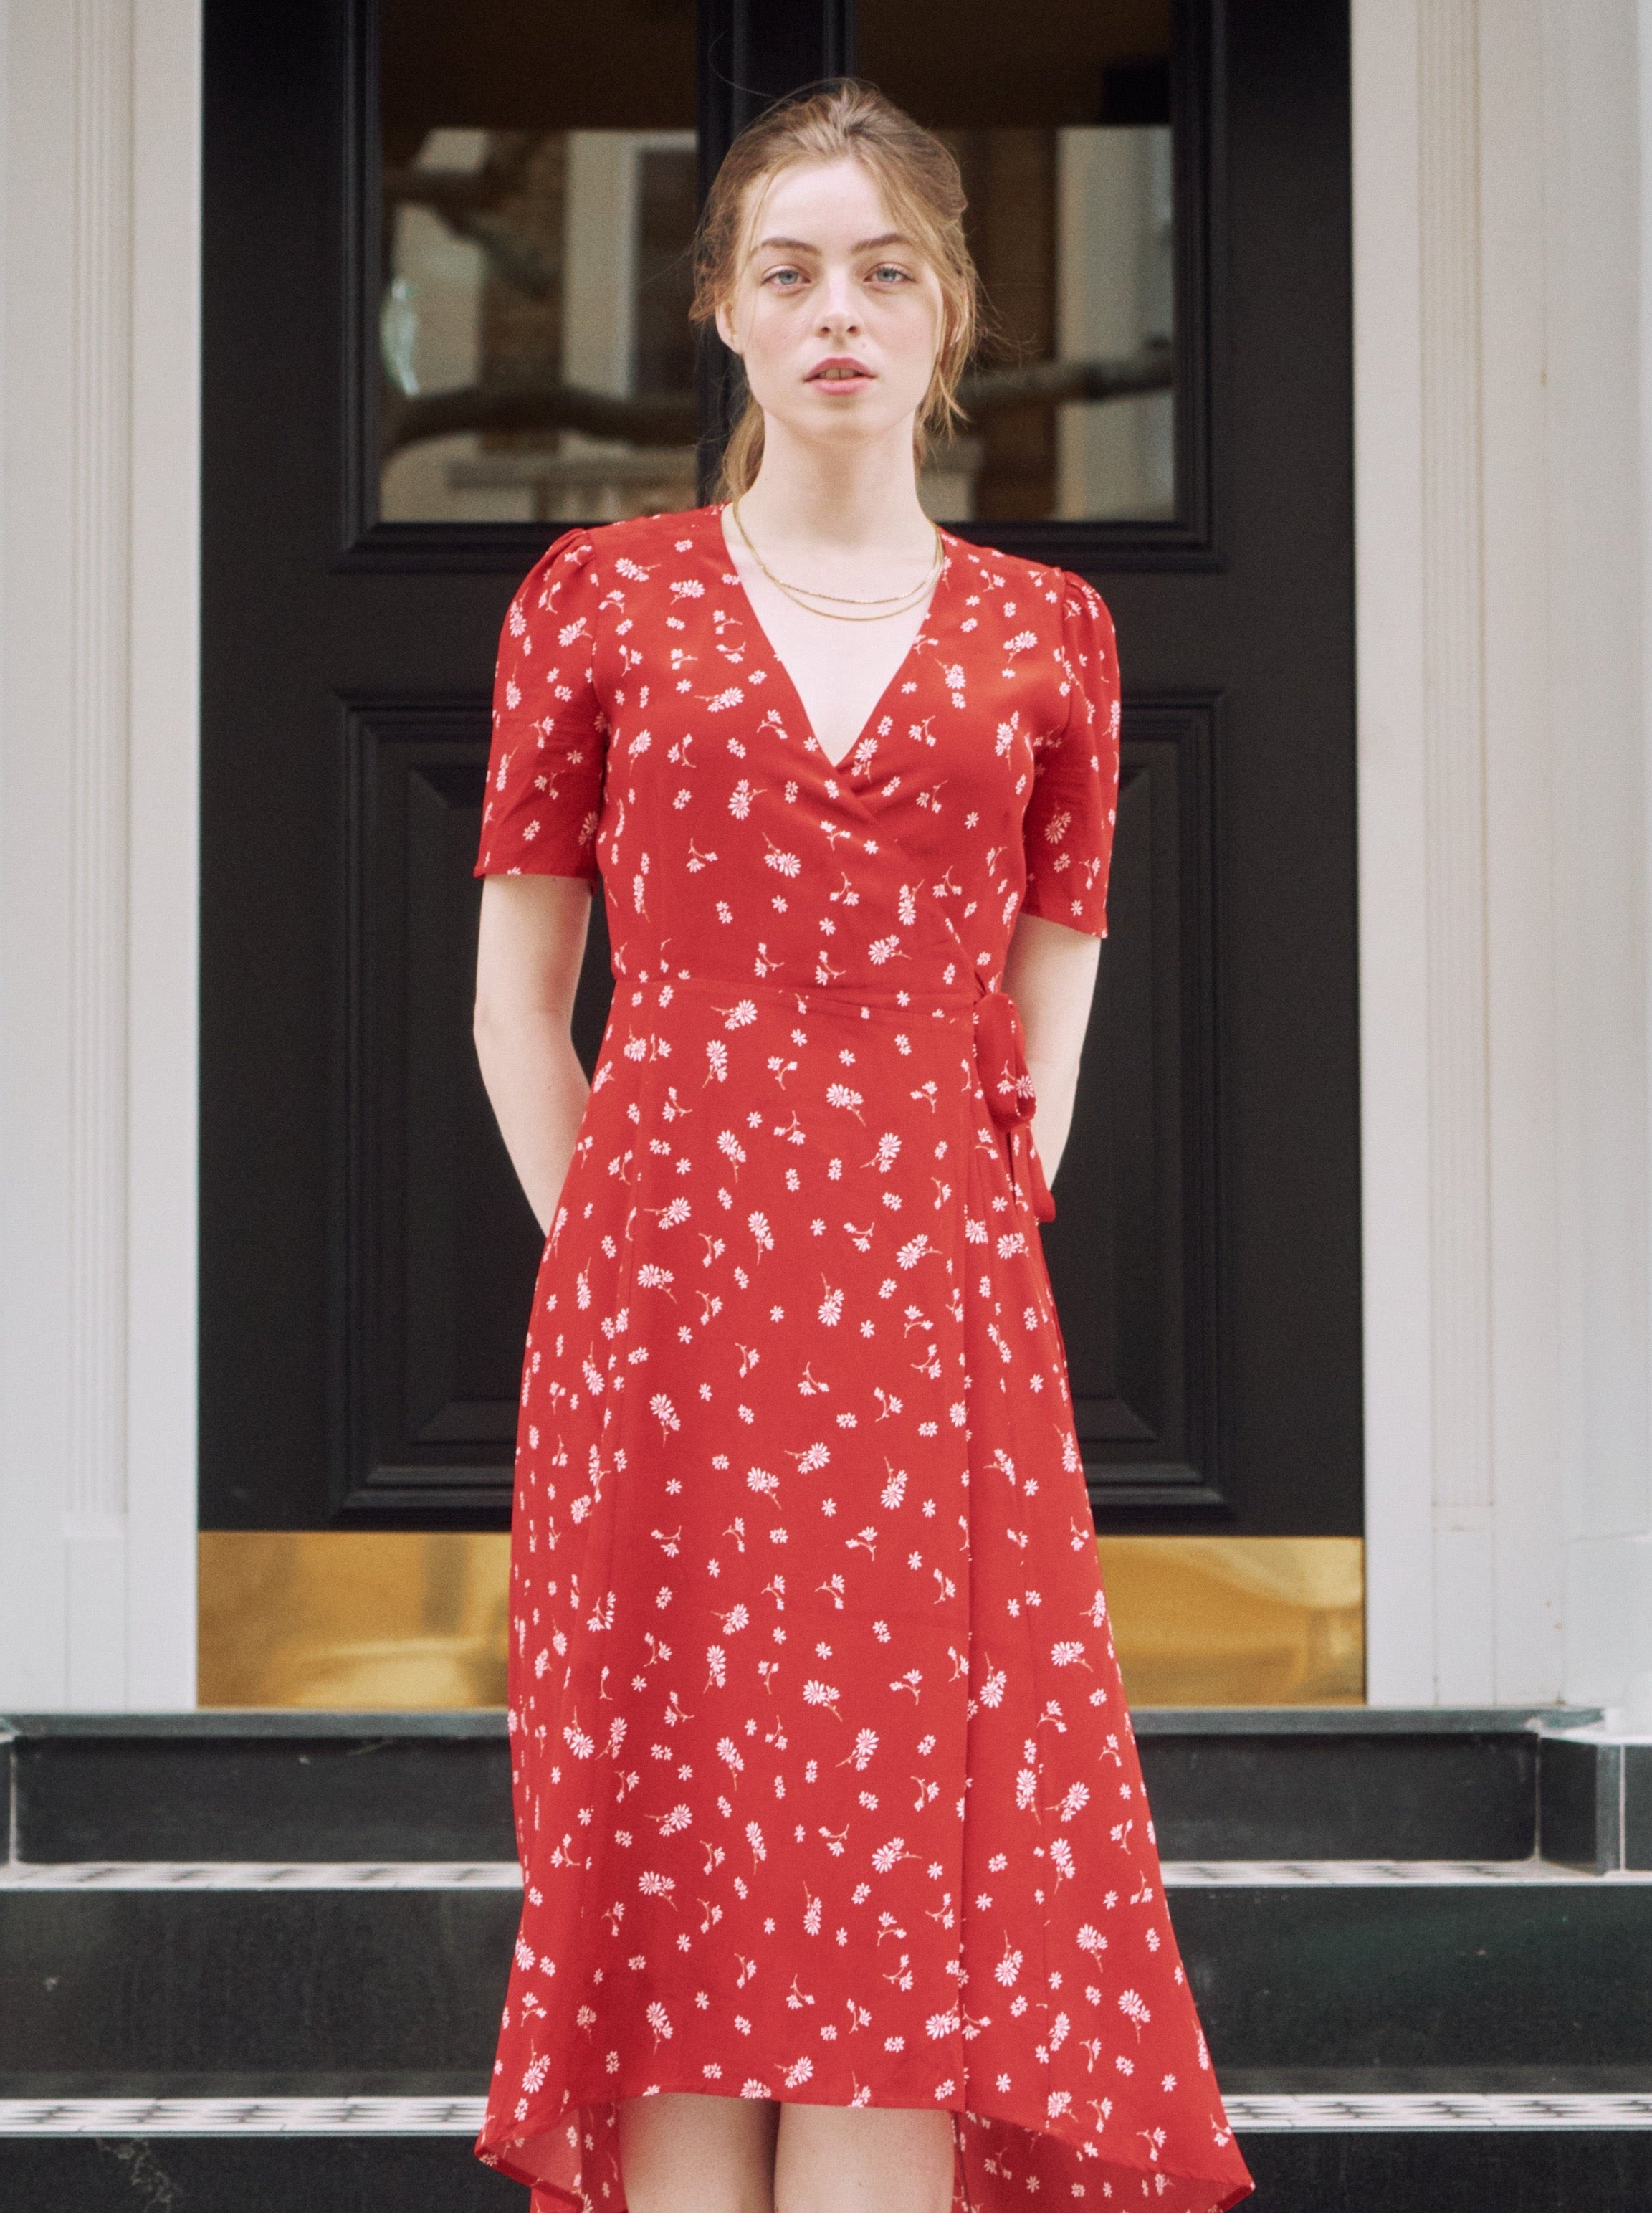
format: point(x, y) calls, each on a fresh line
point(1000, 1045)
point(1001, 1063)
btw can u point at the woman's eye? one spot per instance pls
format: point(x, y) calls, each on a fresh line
point(887, 269)
point(780, 276)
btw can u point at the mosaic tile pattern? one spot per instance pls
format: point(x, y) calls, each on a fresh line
point(150, 2117)
point(215, 2116)
point(1368, 1874)
point(251, 1875)
point(1400, 2111)
point(503, 1875)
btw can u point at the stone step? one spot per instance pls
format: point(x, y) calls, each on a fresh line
point(1308, 2155)
point(292, 2173)
point(1338, 1783)
point(133, 1980)
point(257, 1959)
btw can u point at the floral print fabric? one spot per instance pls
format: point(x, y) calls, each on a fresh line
point(824, 1786)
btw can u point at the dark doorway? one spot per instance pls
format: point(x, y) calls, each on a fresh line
point(444, 300)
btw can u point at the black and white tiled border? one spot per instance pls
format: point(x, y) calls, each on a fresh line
point(236, 2117)
point(462, 2117)
point(1401, 2110)
point(503, 1875)
point(254, 1874)
point(1358, 1874)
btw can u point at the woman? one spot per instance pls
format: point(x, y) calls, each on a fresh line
point(840, 1889)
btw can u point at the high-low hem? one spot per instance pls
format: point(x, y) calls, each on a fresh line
point(990, 2175)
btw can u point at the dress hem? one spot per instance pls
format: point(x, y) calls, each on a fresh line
point(496, 2153)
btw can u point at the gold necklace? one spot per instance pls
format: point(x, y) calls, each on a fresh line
point(800, 594)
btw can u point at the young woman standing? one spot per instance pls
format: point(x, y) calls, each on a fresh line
point(841, 1890)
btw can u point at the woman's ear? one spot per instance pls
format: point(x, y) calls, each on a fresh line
point(725, 323)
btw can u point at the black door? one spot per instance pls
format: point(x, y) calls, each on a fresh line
point(444, 297)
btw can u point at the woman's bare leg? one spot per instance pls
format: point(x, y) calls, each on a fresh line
point(681, 2152)
point(862, 2159)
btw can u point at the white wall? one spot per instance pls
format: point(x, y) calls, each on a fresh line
point(1502, 505)
point(99, 501)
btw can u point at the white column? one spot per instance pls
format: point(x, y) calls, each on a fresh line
point(1522, 890)
point(163, 892)
point(1599, 76)
point(1453, 580)
point(1393, 852)
point(96, 698)
point(99, 489)
point(1499, 383)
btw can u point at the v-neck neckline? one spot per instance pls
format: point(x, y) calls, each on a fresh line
point(844, 766)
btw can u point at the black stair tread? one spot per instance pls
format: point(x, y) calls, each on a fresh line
point(274, 2174)
point(330, 1787)
point(75, 2085)
point(95, 1877)
point(1403, 1976)
point(1606, 2080)
point(1421, 2171)
point(1450, 2171)
point(1239, 1782)
point(1286, 1976)
point(301, 1723)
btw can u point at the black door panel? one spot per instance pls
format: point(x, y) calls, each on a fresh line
point(366, 1259)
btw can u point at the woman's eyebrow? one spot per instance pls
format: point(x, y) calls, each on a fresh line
point(802, 245)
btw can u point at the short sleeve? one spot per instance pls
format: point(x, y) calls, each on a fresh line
point(544, 795)
point(1067, 830)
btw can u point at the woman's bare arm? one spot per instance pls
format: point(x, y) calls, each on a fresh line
point(1050, 973)
point(528, 961)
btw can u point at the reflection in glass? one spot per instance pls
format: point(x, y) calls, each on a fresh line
point(1061, 123)
point(538, 183)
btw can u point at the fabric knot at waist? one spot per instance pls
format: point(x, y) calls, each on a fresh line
point(1001, 1064)
point(1000, 1043)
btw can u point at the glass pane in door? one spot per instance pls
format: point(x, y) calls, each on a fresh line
point(1059, 113)
point(537, 183)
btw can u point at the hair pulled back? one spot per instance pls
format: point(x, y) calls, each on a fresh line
point(923, 191)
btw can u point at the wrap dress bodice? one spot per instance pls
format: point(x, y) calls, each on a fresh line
point(824, 1784)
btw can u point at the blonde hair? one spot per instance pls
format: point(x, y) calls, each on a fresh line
point(923, 192)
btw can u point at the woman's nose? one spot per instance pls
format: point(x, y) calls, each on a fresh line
point(839, 309)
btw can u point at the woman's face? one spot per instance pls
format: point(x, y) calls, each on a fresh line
point(836, 319)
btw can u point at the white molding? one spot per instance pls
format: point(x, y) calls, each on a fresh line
point(101, 486)
point(1595, 62)
point(165, 819)
point(1453, 745)
point(1392, 801)
point(35, 1288)
point(1500, 402)
point(96, 734)
point(1518, 152)
point(1455, 861)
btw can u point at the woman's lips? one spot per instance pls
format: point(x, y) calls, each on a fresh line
point(840, 375)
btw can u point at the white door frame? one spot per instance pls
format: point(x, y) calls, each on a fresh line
point(99, 627)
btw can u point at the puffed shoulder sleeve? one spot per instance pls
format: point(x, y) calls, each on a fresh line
point(1067, 831)
point(550, 733)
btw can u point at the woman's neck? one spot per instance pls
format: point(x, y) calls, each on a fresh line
point(851, 498)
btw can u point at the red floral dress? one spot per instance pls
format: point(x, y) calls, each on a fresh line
point(826, 1789)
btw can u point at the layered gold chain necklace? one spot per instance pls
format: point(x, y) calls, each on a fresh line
point(802, 595)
